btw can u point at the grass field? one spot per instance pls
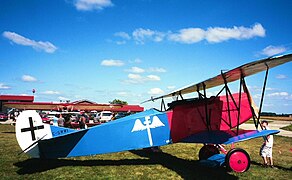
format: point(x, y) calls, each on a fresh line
point(287, 128)
point(177, 161)
point(252, 122)
point(271, 119)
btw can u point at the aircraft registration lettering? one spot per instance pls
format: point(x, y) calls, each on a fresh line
point(60, 132)
point(139, 126)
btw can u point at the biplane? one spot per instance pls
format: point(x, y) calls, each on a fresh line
point(213, 121)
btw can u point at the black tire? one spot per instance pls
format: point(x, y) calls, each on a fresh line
point(207, 151)
point(237, 160)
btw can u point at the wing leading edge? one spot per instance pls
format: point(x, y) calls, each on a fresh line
point(230, 76)
point(227, 137)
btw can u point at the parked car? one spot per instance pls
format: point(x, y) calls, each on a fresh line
point(45, 118)
point(120, 115)
point(104, 116)
point(3, 117)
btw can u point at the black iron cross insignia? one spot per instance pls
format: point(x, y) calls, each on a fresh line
point(32, 128)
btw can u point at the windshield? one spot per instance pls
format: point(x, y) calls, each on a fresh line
point(106, 114)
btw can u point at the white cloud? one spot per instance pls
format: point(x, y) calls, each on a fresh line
point(136, 70)
point(111, 62)
point(63, 98)
point(155, 91)
point(134, 76)
point(121, 42)
point(3, 86)
point(273, 50)
point(123, 35)
point(28, 78)
point(122, 93)
point(50, 92)
point(27, 95)
point(137, 60)
point(257, 96)
point(188, 36)
point(219, 34)
point(171, 87)
point(278, 94)
point(194, 35)
point(156, 69)
point(268, 105)
point(20, 40)
point(137, 78)
point(134, 79)
point(257, 88)
point(153, 78)
point(141, 35)
point(269, 89)
point(89, 5)
point(281, 76)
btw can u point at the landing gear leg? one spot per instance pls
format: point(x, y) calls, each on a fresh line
point(207, 151)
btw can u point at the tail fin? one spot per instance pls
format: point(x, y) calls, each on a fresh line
point(29, 130)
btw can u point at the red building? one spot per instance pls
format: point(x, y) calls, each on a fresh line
point(15, 99)
point(26, 103)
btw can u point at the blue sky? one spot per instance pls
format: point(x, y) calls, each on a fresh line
point(134, 49)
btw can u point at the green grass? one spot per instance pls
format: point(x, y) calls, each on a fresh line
point(287, 128)
point(177, 161)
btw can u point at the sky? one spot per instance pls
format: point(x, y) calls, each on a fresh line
point(103, 50)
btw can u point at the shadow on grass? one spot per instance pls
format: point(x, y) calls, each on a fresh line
point(278, 167)
point(187, 169)
point(8, 132)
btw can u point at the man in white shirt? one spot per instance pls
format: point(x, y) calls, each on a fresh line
point(267, 147)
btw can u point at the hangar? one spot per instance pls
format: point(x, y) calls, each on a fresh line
point(27, 103)
point(14, 99)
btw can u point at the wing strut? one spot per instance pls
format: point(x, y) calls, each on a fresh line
point(255, 111)
point(239, 103)
point(263, 94)
point(229, 95)
point(206, 108)
point(200, 95)
point(162, 106)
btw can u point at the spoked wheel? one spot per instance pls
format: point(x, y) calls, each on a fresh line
point(207, 151)
point(237, 160)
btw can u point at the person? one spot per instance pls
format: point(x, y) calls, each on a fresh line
point(16, 114)
point(55, 120)
point(61, 121)
point(82, 124)
point(267, 147)
point(113, 116)
point(67, 122)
